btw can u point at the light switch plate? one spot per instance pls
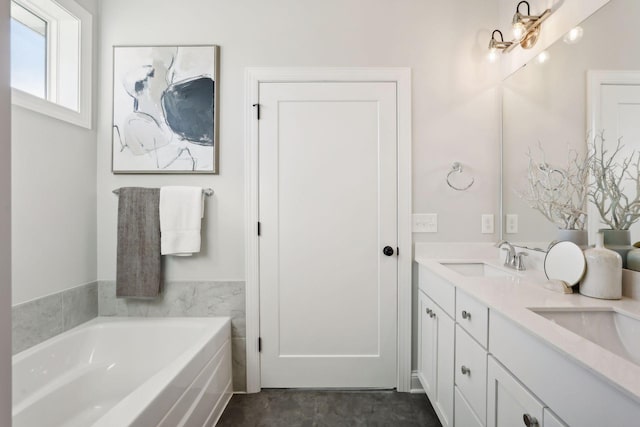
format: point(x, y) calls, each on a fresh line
point(425, 223)
point(512, 224)
point(487, 224)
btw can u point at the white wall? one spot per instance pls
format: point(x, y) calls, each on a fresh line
point(456, 118)
point(454, 100)
point(54, 203)
point(5, 220)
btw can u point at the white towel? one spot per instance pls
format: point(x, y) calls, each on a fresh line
point(181, 213)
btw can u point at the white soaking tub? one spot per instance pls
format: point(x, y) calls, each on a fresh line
point(117, 372)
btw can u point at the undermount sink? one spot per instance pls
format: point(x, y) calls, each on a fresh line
point(476, 269)
point(614, 331)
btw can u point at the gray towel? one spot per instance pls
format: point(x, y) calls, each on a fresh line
point(139, 272)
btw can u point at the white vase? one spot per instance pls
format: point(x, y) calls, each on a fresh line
point(603, 278)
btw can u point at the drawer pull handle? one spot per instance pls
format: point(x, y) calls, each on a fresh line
point(432, 314)
point(529, 421)
point(465, 370)
point(429, 311)
point(466, 315)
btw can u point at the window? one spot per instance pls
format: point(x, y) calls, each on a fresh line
point(51, 45)
point(28, 51)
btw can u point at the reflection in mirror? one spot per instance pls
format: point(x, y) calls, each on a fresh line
point(545, 109)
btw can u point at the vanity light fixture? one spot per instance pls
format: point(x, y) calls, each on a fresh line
point(543, 57)
point(574, 35)
point(497, 45)
point(526, 28)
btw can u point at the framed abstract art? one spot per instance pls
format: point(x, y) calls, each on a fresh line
point(165, 109)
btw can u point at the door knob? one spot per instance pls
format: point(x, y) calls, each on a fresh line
point(388, 250)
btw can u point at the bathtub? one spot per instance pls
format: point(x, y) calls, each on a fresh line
point(117, 372)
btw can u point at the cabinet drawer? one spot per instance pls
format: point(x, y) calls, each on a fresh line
point(550, 420)
point(473, 316)
point(438, 289)
point(509, 402)
point(464, 415)
point(471, 372)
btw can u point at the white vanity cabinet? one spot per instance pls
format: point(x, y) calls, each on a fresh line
point(480, 367)
point(427, 344)
point(448, 357)
point(577, 396)
point(436, 350)
point(509, 403)
point(471, 354)
point(464, 415)
point(471, 372)
point(473, 317)
point(549, 419)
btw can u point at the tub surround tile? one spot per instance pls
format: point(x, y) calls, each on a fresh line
point(178, 299)
point(35, 321)
point(106, 298)
point(79, 305)
point(189, 299)
point(239, 363)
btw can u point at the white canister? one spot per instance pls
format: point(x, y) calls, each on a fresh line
point(603, 278)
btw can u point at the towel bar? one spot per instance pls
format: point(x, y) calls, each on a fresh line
point(206, 191)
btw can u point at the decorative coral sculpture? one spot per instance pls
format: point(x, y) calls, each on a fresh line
point(559, 193)
point(611, 179)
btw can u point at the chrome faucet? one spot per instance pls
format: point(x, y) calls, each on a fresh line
point(513, 259)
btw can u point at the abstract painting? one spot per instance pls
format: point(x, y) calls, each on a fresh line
point(165, 109)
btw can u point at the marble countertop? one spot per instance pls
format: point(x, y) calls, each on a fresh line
point(513, 296)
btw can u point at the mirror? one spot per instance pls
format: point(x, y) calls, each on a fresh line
point(546, 108)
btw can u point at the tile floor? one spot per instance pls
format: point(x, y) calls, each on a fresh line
point(293, 408)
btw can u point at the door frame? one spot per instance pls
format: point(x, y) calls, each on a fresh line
point(402, 78)
point(595, 80)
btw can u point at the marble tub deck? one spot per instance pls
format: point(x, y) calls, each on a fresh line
point(293, 408)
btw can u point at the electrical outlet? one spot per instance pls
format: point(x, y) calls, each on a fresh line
point(425, 223)
point(487, 224)
point(512, 224)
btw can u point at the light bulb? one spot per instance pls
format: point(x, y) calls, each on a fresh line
point(518, 30)
point(573, 36)
point(543, 57)
point(493, 55)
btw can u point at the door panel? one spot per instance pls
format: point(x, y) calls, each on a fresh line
point(444, 365)
point(327, 208)
point(428, 347)
point(620, 109)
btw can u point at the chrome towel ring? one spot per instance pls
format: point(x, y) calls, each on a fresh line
point(456, 167)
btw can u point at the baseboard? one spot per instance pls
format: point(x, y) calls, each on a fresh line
point(416, 387)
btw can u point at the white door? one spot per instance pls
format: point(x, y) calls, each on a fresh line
point(620, 120)
point(328, 202)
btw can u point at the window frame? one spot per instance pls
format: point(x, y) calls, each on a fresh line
point(83, 116)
